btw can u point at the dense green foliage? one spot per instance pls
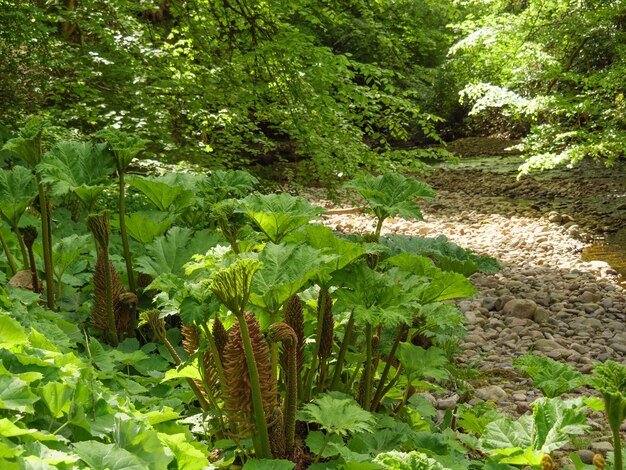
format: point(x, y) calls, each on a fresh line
point(551, 67)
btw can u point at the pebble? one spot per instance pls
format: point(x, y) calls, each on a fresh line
point(490, 392)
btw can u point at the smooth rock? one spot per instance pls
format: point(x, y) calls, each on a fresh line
point(520, 308)
point(541, 315)
point(491, 392)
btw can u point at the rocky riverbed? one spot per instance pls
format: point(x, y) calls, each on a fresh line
point(546, 299)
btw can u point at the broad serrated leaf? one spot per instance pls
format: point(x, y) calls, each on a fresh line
point(395, 460)
point(18, 189)
point(342, 251)
point(506, 433)
point(123, 146)
point(286, 269)
point(146, 226)
point(444, 286)
point(551, 377)
point(160, 193)
point(169, 253)
point(142, 442)
point(446, 255)
point(101, 456)
point(376, 298)
point(79, 167)
point(277, 215)
point(338, 414)
point(391, 194)
point(420, 363)
point(222, 185)
point(556, 421)
point(27, 145)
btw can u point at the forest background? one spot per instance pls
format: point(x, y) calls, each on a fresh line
point(333, 85)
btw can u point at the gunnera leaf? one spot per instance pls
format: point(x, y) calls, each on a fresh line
point(551, 377)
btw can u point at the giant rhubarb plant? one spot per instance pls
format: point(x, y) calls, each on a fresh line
point(125, 148)
point(391, 194)
point(233, 286)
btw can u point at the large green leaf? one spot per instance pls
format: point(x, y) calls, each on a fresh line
point(286, 269)
point(101, 456)
point(124, 146)
point(142, 442)
point(277, 215)
point(147, 225)
point(506, 433)
point(18, 189)
point(338, 414)
point(11, 332)
point(222, 185)
point(161, 193)
point(57, 396)
point(391, 194)
point(15, 395)
point(189, 455)
point(553, 378)
point(67, 251)
point(79, 167)
point(27, 145)
point(446, 285)
point(447, 255)
point(342, 251)
point(395, 460)
point(376, 298)
point(556, 421)
point(168, 253)
point(420, 363)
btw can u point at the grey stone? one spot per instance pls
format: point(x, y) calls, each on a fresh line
point(541, 315)
point(520, 308)
point(448, 403)
point(602, 447)
point(489, 303)
point(546, 345)
point(502, 301)
point(586, 456)
point(490, 392)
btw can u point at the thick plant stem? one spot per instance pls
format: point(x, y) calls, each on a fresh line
point(215, 353)
point(127, 255)
point(308, 385)
point(324, 444)
point(262, 445)
point(8, 254)
point(368, 367)
point(379, 227)
point(617, 448)
point(347, 337)
point(47, 244)
point(378, 396)
point(204, 404)
point(20, 239)
point(284, 333)
point(111, 327)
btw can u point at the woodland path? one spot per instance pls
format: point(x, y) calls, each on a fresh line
point(546, 298)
